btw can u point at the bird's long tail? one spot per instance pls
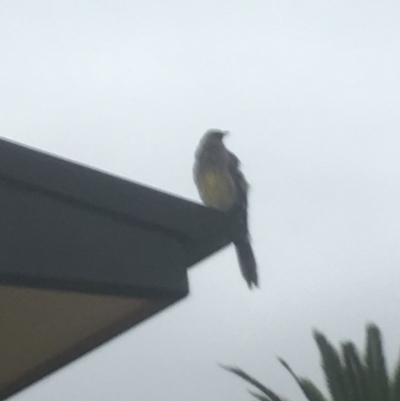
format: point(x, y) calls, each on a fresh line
point(247, 261)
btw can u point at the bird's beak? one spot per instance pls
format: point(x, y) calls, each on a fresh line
point(226, 133)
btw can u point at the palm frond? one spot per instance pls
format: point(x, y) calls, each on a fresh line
point(259, 397)
point(395, 383)
point(241, 373)
point(376, 365)
point(356, 374)
point(349, 377)
point(307, 386)
point(333, 368)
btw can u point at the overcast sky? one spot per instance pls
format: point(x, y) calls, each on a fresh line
point(310, 93)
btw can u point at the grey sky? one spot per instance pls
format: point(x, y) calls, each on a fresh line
point(310, 92)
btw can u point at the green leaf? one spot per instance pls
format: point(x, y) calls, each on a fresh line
point(239, 372)
point(307, 386)
point(376, 365)
point(333, 368)
point(356, 374)
point(260, 396)
point(395, 384)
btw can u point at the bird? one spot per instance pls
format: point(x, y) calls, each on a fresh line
point(222, 185)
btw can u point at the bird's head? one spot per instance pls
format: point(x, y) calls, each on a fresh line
point(215, 135)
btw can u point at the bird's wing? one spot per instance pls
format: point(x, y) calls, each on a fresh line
point(239, 224)
point(239, 209)
point(241, 184)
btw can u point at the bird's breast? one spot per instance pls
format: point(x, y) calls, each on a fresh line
point(216, 189)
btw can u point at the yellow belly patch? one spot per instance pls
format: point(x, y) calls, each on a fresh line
point(216, 190)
